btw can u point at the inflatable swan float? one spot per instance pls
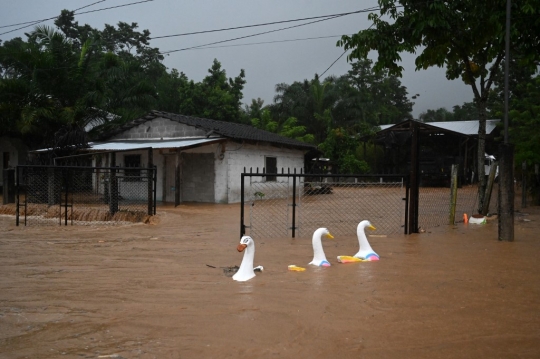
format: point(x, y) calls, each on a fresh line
point(319, 259)
point(246, 270)
point(366, 253)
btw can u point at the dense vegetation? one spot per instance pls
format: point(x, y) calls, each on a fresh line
point(466, 37)
point(61, 85)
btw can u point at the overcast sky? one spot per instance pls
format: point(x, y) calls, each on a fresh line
point(265, 64)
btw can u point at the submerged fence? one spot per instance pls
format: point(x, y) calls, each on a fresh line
point(290, 204)
point(294, 205)
point(55, 195)
point(434, 204)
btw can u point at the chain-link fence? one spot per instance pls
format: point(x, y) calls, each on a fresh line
point(434, 204)
point(53, 195)
point(297, 204)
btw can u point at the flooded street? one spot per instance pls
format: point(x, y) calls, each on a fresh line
point(159, 291)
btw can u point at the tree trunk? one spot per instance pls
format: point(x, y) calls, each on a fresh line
point(482, 118)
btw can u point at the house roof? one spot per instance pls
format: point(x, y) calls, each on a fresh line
point(469, 128)
point(127, 145)
point(231, 130)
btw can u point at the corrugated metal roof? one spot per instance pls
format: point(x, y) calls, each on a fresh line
point(463, 127)
point(140, 144)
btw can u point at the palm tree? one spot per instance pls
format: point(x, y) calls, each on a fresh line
point(63, 90)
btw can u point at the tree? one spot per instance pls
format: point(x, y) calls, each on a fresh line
point(53, 91)
point(525, 122)
point(468, 37)
point(215, 97)
point(289, 128)
point(438, 115)
point(466, 112)
point(342, 147)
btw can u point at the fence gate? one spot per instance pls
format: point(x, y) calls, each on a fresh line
point(55, 195)
point(295, 205)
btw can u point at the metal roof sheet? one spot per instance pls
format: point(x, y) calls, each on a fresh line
point(140, 144)
point(463, 127)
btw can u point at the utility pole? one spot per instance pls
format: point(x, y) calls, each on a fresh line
point(506, 181)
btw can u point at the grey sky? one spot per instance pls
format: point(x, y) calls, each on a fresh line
point(265, 64)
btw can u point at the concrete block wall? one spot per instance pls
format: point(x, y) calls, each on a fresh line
point(247, 156)
point(198, 177)
point(160, 128)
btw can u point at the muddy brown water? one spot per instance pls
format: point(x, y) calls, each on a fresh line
point(149, 291)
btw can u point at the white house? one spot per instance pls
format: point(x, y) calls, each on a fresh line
point(197, 159)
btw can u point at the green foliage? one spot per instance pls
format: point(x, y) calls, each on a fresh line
point(288, 128)
point(52, 90)
point(438, 115)
point(466, 112)
point(524, 122)
point(349, 164)
point(215, 97)
point(342, 147)
point(355, 100)
point(465, 36)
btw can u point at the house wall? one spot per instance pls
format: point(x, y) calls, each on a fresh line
point(210, 173)
point(247, 156)
point(160, 128)
point(198, 177)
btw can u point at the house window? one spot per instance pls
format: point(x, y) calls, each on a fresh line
point(270, 167)
point(135, 162)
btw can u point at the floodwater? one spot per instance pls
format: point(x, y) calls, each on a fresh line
point(159, 291)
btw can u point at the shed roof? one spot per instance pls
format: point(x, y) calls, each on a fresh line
point(469, 128)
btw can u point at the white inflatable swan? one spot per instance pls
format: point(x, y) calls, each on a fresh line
point(319, 259)
point(366, 252)
point(246, 272)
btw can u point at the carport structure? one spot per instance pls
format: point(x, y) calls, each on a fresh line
point(427, 152)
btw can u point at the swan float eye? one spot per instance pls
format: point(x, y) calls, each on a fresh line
point(245, 240)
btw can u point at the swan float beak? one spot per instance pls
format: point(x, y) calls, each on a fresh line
point(241, 247)
point(329, 236)
point(371, 227)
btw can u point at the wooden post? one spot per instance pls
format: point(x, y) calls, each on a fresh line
point(506, 193)
point(489, 187)
point(453, 194)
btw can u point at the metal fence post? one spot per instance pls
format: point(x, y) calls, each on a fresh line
point(414, 179)
point(113, 203)
point(242, 227)
point(154, 178)
point(294, 204)
point(407, 189)
point(18, 193)
point(66, 183)
point(150, 176)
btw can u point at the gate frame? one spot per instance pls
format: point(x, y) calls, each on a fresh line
point(411, 207)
